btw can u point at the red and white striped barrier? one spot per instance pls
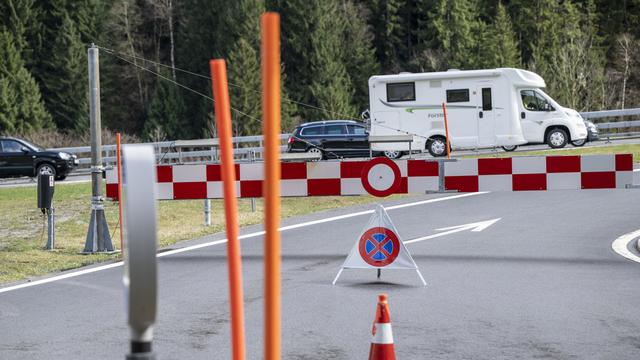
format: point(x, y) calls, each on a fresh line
point(383, 177)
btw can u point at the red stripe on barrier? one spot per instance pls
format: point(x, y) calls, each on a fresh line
point(598, 180)
point(165, 173)
point(527, 182)
point(624, 162)
point(112, 191)
point(293, 171)
point(494, 166)
point(323, 187)
point(190, 190)
point(403, 187)
point(351, 169)
point(461, 183)
point(563, 164)
point(214, 173)
point(250, 188)
point(422, 168)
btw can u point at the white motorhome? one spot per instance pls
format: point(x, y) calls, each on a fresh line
point(485, 108)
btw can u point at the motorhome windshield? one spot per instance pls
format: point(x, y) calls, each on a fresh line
point(536, 100)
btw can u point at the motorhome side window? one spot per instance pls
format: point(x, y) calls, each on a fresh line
point(533, 101)
point(457, 95)
point(401, 92)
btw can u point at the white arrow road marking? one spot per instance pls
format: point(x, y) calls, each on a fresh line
point(621, 245)
point(476, 227)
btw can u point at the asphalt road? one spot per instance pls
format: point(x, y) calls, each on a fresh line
point(542, 282)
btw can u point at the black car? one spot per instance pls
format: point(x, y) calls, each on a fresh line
point(331, 139)
point(21, 158)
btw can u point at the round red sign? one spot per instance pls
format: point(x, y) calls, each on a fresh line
point(380, 177)
point(379, 246)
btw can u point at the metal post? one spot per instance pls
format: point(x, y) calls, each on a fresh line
point(51, 229)
point(207, 212)
point(441, 185)
point(98, 237)
point(253, 200)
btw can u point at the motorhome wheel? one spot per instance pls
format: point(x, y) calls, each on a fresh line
point(557, 138)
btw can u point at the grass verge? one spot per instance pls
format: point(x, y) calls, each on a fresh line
point(23, 233)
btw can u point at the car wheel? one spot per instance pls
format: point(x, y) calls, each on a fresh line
point(393, 154)
point(437, 146)
point(579, 143)
point(557, 138)
point(314, 151)
point(46, 169)
point(509, 147)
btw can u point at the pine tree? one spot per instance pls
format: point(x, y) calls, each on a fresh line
point(22, 107)
point(499, 46)
point(331, 86)
point(456, 26)
point(360, 60)
point(20, 17)
point(244, 75)
point(166, 112)
point(388, 32)
point(65, 79)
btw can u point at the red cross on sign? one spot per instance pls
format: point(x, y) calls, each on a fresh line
point(379, 246)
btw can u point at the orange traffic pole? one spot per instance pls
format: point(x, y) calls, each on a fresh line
point(119, 166)
point(270, 58)
point(223, 122)
point(446, 130)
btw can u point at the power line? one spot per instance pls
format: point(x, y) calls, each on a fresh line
point(114, 52)
point(118, 55)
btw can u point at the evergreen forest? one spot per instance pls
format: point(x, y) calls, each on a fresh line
point(154, 55)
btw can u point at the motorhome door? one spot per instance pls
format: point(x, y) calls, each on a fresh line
point(486, 116)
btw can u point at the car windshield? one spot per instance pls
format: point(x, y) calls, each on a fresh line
point(33, 146)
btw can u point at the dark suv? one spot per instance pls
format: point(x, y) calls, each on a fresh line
point(21, 158)
point(331, 139)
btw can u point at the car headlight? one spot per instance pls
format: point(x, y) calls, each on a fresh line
point(64, 156)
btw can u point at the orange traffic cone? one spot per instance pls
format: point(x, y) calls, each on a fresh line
point(382, 341)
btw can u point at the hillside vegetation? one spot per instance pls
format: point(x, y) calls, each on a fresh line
point(587, 51)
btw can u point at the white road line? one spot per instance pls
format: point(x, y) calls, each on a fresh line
point(245, 236)
point(621, 245)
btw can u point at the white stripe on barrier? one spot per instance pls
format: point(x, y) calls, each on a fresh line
point(563, 181)
point(529, 165)
point(624, 178)
point(402, 165)
point(416, 184)
point(293, 187)
point(352, 186)
point(164, 190)
point(495, 182)
point(462, 167)
point(598, 163)
point(215, 189)
point(190, 173)
point(323, 170)
point(253, 171)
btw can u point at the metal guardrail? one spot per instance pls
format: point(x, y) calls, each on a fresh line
point(609, 113)
point(169, 152)
point(612, 128)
